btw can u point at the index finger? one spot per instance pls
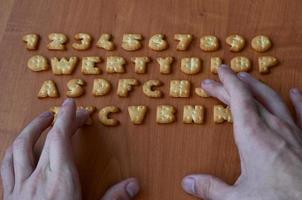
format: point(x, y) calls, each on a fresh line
point(57, 149)
point(243, 105)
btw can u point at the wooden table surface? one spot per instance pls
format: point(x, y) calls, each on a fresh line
point(158, 155)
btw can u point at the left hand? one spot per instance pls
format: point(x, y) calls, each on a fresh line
point(54, 175)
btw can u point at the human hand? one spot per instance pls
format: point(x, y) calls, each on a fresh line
point(54, 175)
point(268, 139)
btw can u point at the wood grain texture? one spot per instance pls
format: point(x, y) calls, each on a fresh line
point(159, 155)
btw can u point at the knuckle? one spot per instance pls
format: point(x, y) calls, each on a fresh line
point(205, 187)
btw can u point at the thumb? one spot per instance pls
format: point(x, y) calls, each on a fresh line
point(124, 190)
point(206, 187)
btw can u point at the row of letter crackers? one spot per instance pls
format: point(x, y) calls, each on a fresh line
point(165, 114)
point(116, 64)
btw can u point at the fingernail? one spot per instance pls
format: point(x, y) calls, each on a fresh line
point(67, 101)
point(132, 188)
point(295, 91)
point(189, 185)
point(46, 114)
point(243, 75)
point(207, 81)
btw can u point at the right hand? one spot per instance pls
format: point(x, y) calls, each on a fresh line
point(268, 139)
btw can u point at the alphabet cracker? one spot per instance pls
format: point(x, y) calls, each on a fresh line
point(148, 88)
point(137, 114)
point(104, 115)
point(48, 89)
point(75, 88)
point(37, 63)
point(31, 40)
point(193, 114)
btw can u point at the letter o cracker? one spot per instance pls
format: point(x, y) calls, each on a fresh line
point(137, 114)
point(184, 41)
point(237, 42)
point(37, 63)
point(165, 64)
point(75, 88)
point(209, 43)
point(190, 65)
point(261, 43)
point(104, 115)
point(57, 41)
point(132, 42)
point(158, 43)
point(105, 42)
point(265, 63)
point(100, 87)
point(148, 88)
point(48, 89)
point(240, 64)
point(31, 41)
